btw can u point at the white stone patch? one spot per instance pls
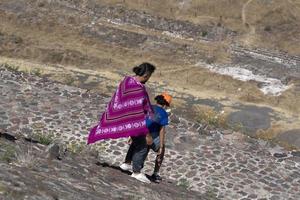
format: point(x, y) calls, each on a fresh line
point(184, 4)
point(272, 59)
point(270, 86)
point(173, 34)
point(115, 22)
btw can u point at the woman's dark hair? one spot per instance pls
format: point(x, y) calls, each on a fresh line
point(161, 100)
point(144, 68)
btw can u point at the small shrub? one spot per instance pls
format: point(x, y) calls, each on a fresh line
point(9, 153)
point(268, 28)
point(25, 158)
point(36, 72)
point(43, 138)
point(183, 182)
point(102, 146)
point(238, 127)
point(213, 118)
point(2, 189)
point(13, 194)
point(211, 194)
point(69, 80)
point(76, 147)
point(10, 67)
point(204, 33)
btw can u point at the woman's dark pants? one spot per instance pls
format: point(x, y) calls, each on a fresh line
point(137, 153)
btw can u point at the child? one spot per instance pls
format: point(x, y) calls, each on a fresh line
point(156, 126)
point(157, 130)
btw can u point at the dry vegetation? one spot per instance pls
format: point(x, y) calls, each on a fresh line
point(269, 24)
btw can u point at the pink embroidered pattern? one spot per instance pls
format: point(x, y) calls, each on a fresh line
point(125, 114)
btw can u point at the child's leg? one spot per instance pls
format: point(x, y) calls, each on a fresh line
point(159, 160)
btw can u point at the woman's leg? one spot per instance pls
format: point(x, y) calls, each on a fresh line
point(129, 154)
point(139, 154)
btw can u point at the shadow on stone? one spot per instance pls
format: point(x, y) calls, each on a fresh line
point(104, 164)
point(8, 136)
point(31, 140)
point(251, 119)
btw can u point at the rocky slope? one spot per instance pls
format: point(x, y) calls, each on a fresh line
point(236, 71)
point(211, 163)
point(31, 170)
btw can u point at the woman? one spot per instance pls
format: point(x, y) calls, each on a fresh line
point(126, 116)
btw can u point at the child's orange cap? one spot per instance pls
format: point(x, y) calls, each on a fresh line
point(167, 97)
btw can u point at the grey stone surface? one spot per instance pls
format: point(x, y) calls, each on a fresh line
point(251, 118)
point(230, 166)
point(76, 176)
point(291, 137)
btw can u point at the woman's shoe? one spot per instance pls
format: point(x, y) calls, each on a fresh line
point(126, 167)
point(141, 177)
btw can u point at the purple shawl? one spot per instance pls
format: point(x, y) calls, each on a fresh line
point(125, 114)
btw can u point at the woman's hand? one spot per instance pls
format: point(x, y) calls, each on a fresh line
point(129, 141)
point(149, 139)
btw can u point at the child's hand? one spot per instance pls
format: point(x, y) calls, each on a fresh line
point(159, 151)
point(159, 156)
